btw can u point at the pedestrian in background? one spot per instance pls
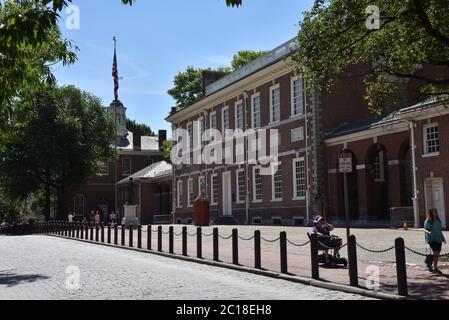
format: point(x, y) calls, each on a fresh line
point(70, 217)
point(435, 239)
point(97, 218)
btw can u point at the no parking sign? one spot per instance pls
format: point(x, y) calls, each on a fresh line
point(345, 162)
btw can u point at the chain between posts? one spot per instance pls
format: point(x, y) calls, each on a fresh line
point(376, 251)
point(271, 241)
point(298, 245)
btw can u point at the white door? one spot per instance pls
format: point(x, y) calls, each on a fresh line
point(227, 194)
point(435, 197)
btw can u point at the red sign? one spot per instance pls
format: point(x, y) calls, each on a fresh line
point(345, 162)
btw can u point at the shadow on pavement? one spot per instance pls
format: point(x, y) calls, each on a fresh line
point(14, 279)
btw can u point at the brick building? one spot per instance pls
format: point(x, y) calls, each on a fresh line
point(313, 128)
point(134, 153)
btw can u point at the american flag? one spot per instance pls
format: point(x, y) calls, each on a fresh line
point(115, 74)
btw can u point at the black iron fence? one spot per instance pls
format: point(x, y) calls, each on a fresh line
point(96, 233)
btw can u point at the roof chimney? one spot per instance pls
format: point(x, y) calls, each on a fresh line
point(137, 144)
point(162, 137)
point(211, 76)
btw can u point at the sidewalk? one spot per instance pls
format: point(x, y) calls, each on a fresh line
point(422, 284)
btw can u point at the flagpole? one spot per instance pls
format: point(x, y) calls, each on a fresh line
point(116, 140)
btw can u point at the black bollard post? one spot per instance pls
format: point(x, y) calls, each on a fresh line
point(149, 236)
point(115, 234)
point(109, 233)
point(77, 230)
point(159, 238)
point(170, 239)
point(352, 261)
point(91, 233)
point(314, 257)
point(184, 241)
point(257, 254)
point(69, 230)
point(65, 229)
point(199, 243)
point(215, 245)
point(131, 234)
point(97, 233)
point(123, 235)
point(401, 267)
point(102, 233)
point(283, 252)
point(81, 231)
point(235, 246)
point(139, 236)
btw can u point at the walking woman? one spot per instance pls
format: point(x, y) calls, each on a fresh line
point(435, 238)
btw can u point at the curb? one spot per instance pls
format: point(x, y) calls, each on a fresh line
point(261, 272)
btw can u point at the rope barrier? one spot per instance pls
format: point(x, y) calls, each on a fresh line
point(375, 251)
point(271, 241)
point(424, 254)
point(225, 238)
point(298, 245)
point(153, 230)
point(246, 239)
point(165, 232)
point(207, 235)
point(191, 234)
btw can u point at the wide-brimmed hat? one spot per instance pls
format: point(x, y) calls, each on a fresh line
point(317, 219)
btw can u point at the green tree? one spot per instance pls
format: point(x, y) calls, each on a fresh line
point(244, 57)
point(140, 128)
point(167, 147)
point(61, 145)
point(411, 34)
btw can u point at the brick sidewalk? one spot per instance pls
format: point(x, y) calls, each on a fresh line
point(422, 284)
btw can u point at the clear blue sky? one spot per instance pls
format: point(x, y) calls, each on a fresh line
point(157, 39)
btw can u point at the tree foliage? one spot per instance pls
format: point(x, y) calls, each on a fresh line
point(413, 35)
point(139, 128)
point(61, 145)
point(244, 57)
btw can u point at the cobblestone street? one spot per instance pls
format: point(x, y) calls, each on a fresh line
point(34, 267)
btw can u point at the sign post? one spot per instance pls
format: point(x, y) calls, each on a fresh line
point(345, 167)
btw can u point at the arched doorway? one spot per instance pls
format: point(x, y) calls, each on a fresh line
point(78, 205)
point(103, 207)
point(377, 182)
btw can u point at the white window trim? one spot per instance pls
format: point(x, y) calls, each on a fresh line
point(178, 198)
point(237, 185)
point(424, 129)
point(254, 185)
point(237, 103)
point(213, 201)
point(190, 180)
point(273, 192)
point(292, 97)
point(272, 88)
point(295, 190)
point(222, 119)
point(256, 95)
point(130, 167)
point(200, 134)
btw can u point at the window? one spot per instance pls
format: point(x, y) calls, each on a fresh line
point(297, 96)
point(431, 139)
point(275, 104)
point(379, 166)
point(103, 169)
point(126, 167)
point(225, 119)
point(202, 186)
point(78, 205)
point(179, 189)
point(214, 189)
point(213, 120)
point(241, 190)
point(299, 180)
point(239, 116)
point(255, 110)
point(190, 147)
point(190, 192)
point(257, 182)
point(200, 130)
point(277, 183)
